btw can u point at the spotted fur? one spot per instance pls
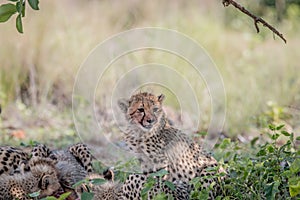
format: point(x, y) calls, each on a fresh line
point(73, 163)
point(133, 186)
point(82, 153)
point(132, 189)
point(159, 145)
point(11, 158)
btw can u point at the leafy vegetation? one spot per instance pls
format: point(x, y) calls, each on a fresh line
point(266, 168)
point(9, 9)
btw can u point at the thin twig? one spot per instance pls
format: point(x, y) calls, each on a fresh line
point(255, 18)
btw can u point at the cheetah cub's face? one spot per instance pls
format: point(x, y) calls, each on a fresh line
point(143, 110)
point(44, 169)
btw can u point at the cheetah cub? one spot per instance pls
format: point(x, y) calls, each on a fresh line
point(159, 145)
point(73, 164)
point(42, 178)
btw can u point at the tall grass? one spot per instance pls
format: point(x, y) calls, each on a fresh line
point(255, 67)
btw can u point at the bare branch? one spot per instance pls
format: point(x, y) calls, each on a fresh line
point(255, 18)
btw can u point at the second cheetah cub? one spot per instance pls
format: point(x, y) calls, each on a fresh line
point(42, 178)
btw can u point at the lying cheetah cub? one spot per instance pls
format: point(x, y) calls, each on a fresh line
point(41, 178)
point(73, 163)
point(159, 145)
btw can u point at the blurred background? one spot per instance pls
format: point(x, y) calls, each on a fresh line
point(38, 68)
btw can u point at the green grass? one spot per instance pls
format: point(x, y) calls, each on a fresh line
point(39, 67)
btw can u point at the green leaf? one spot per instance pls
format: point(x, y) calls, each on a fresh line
point(13, 0)
point(294, 189)
point(147, 186)
point(287, 145)
point(279, 127)
point(34, 194)
point(261, 152)
point(64, 196)
point(80, 183)
point(6, 11)
point(271, 190)
point(87, 196)
point(272, 127)
point(225, 143)
point(202, 133)
point(203, 194)
point(285, 133)
point(19, 24)
point(34, 4)
point(160, 196)
point(270, 148)
point(292, 137)
point(275, 136)
point(295, 166)
point(160, 173)
point(212, 169)
point(98, 181)
point(253, 141)
point(195, 180)
point(21, 8)
point(23, 11)
point(170, 185)
point(49, 198)
point(22, 144)
point(298, 138)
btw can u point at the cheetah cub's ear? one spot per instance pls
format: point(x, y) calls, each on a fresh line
point(123, 105)
point(161, 98)
point(45, 182)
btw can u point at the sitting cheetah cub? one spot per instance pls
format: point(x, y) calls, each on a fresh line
point(41, 178)
point(159, 145)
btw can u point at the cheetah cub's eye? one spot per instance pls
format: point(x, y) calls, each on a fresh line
point(155, 109)
point(141, 109)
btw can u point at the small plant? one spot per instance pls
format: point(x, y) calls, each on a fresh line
point(270, 171)
point(86, 182)
point(123, 169)
point(156, 178)
point(9, 9)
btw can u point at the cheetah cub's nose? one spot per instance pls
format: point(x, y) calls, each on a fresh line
point(150, 121)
